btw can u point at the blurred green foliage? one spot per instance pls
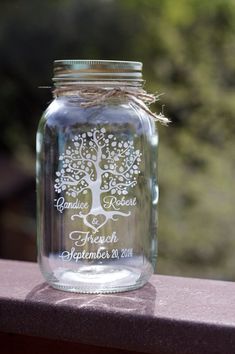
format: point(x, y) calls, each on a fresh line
point(188, 50)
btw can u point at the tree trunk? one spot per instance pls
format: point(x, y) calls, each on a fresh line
point(95, 187)
point(96, 206)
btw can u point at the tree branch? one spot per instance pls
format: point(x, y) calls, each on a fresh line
point(129, 167)
point(119, 185)
point(97, 140)
point(123, 152)
point(79, 190)
point(73, 183)
point(74, 159)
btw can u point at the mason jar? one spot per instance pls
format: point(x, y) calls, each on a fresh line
point(97, 189)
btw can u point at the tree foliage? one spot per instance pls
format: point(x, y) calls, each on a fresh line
point(98, 157)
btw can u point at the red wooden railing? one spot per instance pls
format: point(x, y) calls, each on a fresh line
point(169, 315)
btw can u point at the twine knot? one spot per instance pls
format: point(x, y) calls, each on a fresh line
point(95, 96)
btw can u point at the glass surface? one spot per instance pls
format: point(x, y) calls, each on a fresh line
point(97, 195)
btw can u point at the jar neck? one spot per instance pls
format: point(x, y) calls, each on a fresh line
point(76, 85)
point(73, 88)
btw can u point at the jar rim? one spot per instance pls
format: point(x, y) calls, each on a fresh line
point(96, 70)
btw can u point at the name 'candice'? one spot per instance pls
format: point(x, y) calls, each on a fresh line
point(61, 204)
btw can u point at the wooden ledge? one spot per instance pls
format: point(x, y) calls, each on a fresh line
point(168, 315)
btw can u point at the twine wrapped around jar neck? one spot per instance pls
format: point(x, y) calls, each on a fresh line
point(95, 96)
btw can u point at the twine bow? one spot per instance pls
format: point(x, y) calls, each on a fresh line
point(95, 96)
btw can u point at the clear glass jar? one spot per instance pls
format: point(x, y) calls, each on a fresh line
point(97, 187)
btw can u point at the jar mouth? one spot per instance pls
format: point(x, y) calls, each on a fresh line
point(70, 72)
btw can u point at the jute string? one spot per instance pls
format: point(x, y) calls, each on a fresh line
point(95, 96)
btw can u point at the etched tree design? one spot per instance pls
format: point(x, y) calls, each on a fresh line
point(98, 162)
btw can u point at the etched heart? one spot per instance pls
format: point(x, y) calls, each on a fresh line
point(96, 221)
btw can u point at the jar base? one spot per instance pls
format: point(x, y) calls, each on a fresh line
point(99, 279)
